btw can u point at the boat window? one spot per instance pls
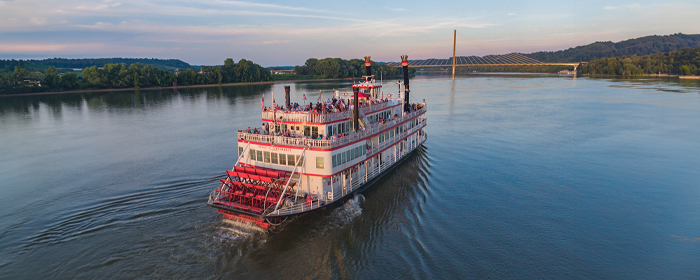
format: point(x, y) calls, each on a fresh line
point(334, 165)
point(307, 130)
point(347, 154)
point(301, 160)
point(319, 162)
point(391, 134)
point(344, 158)
point(266, 157)
point(290, 160)
point(386, 135)
point(352, 154)
point(259, 156)
point(252, 154)
point(274, 158)
point(283, 159)
point(329, 130)
point(240, 151)
point(314, 132)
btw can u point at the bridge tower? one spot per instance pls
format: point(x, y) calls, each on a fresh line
point(454, 58)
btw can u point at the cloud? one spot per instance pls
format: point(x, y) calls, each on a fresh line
point(265, 6)
point(510, 14)
point(623, 7)
point(97, 7)
point(272, 42)
point(396, 9)
point(42, 48)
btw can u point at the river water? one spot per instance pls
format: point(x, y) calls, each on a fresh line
point(522, 176)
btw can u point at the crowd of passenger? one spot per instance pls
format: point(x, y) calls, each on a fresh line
point(334, 105)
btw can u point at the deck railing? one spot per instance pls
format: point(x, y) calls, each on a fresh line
point(306, 116)
point(326, 144)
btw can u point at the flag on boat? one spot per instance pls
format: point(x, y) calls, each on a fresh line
point(304, 97)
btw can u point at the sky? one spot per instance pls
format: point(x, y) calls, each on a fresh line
point(278, 33)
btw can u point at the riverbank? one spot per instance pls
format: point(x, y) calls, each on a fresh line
point(172, 87)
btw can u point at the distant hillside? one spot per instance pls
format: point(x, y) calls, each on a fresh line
point(167, 64)
point(639, 46)
point(682, 62)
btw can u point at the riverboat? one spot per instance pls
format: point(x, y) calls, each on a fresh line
point(306, 158)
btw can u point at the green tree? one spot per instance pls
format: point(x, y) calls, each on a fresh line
point(18, 75)
point(51, 79)
point(69, 81)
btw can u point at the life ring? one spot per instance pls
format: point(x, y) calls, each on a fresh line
point(346, 94)
point(388, 95)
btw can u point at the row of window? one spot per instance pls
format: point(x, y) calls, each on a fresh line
point(349, 155)
point(383, 115)
point(399, 129)
point(274, 158)
point(341, 127)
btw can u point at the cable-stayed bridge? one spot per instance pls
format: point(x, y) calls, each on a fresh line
point(509, 59)
point(495, 60)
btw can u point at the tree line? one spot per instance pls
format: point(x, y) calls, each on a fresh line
point(333, 68)
point(639, 46)
point(137, 75)
point(682, 62)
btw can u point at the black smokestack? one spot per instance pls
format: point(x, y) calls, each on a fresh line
point(369, 69)
point(404, 63)
point(286, 96)
point(356, 112)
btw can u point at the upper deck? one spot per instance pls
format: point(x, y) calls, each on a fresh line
point(348, 138)
point(322, 118)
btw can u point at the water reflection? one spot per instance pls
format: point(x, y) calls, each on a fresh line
point(24, 106)
point(522, 176)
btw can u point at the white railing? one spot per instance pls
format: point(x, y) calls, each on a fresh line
point(326, 144)
point(372, 172)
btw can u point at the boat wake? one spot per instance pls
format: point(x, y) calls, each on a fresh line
point(233, 230)
point(350, 210)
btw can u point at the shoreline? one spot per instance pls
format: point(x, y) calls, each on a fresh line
point(680, 77)
point(171, 87)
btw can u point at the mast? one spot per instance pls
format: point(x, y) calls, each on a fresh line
point(404, 63)
point(356, 109)
point(368, 68)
